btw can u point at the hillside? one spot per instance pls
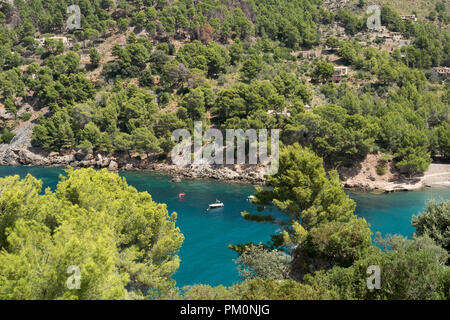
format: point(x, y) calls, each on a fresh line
point(117, 86)
point(421, 8)
point(358, 100)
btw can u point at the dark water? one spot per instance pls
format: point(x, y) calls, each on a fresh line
point(205, 257)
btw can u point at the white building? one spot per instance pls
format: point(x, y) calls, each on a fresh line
point(339, 73)
point(67, 42)
point(411, 17)
point(285, 113)
point(441, 71)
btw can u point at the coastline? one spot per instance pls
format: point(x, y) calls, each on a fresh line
point(365, 176)
point(438, 175)
point(17, 156)
point(360, 176)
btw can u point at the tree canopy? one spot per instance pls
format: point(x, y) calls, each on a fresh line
point(119, 238)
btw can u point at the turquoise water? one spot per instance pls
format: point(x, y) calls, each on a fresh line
point(205, 257)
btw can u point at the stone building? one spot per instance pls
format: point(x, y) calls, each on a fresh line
point(67, 42)
point(339, 73)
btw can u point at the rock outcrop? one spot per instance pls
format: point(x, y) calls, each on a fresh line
point(364, 176)
point(17, 153)
point(360, 176)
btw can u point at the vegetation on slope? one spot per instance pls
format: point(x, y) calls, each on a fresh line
point(227, 65)
point(137, 70)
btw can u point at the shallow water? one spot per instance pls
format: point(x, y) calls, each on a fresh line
point(205, 256)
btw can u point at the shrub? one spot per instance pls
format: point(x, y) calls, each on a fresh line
point(7, 136)
point(381, 170)
point(26, 116)
point(256, 217)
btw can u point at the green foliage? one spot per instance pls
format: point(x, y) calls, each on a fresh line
point(381, 170)
point(387, 74)
point(302, 189)
point(26, 116)
point(323, 71)
point(194, 102)
point(257, 217)
point(251, 68)
point(260, 289)
point(410, 270)
point(324, 231)
point(206, 292)
point(212, 58)
point(130, 113)
point(146, 79)
point(434, 222)
point(265, 35)
point(244, 71)
point(258, 262)
point(54, 133)
point(341, 242)
point(7, 136)
point(351, 22)
point(144, 141)
point(94, 56)
point(332, 42)
point(334, 134)
point(443, 133)
point(413, 154)
point(119, 238)
point(236, 51)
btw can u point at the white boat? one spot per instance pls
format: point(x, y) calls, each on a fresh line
point(217, 204)
point(250, 198)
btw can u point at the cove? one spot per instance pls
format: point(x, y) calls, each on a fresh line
point(205, 257)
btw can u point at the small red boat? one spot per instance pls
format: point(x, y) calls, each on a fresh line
point(181, 195)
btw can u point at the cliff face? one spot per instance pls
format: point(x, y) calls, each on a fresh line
point(11, 153)
point(19, 152)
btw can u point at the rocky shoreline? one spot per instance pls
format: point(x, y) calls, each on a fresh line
point(19, 152)
point(16, 155)
point(361, 176)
